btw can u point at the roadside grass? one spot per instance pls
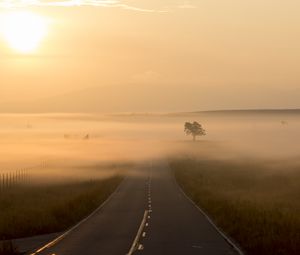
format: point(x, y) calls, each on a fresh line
point(253, 202)
point(41, 209)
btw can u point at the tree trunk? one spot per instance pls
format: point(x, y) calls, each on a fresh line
point(194, 138)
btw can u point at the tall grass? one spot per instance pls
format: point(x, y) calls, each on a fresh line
point(33, 210)
point(255, 204)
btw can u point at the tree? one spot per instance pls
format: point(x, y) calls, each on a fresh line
point(194, 129)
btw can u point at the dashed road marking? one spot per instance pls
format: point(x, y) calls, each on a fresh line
point(197, 246)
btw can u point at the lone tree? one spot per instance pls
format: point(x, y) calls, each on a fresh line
point(194, 129)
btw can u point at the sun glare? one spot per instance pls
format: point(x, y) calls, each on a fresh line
point(23, 31)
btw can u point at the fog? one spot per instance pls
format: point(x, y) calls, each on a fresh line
point(73, 146)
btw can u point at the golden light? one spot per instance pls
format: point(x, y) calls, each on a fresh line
point(23, 31)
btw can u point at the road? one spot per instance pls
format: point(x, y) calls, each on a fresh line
point(148, 214)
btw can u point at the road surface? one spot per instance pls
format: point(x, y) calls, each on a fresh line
point(148, 214)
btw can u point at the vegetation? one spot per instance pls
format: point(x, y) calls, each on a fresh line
point(34, 210)
point(8, 248)
point(195, 129)
point(257, 205)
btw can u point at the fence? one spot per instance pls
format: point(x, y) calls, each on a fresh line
point(11, 178)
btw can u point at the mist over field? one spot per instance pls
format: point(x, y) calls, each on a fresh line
point(67, 142)
point(249, 161)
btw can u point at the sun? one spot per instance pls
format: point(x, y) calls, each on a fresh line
point(23, 30)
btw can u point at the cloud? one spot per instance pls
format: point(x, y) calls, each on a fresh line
point(11, 4)
point(72, 3)
point(187, 5)
point(128, 7)
point(63, 3)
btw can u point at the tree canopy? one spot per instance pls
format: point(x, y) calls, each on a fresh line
point(195, 129)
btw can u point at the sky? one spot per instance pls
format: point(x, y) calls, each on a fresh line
point(215, 54)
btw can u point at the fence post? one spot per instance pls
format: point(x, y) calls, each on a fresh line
point(1, 181)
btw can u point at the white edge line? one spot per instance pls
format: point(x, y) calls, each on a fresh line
point(221, 232)
point(62, 236)
point(138, 235)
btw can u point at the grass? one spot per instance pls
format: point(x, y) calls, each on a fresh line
point(256, 203)
point(34, 210)
point(8, 248)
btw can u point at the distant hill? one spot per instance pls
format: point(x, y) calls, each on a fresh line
point(253, 111)
point(126, 99)
point(240, 113)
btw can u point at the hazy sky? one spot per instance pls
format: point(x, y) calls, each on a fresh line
point(224, 54)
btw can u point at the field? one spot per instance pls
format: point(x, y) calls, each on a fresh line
point(256, 202)
point(245, 172)
point(28, 210)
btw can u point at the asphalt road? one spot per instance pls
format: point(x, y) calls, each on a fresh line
point(147, 215)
